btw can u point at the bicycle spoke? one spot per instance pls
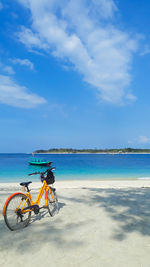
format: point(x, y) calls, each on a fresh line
point(52, 202)
point(13, 216)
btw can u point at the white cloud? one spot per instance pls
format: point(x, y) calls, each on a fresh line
point(8, 69)
point(106, 8)
point(25, 62)
point(18, 96)
point(31, 40)
point(143, 139)
point(83, 34)
point(146, 50)
point(131, 97)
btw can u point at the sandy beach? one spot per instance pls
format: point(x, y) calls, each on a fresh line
point(100, 223)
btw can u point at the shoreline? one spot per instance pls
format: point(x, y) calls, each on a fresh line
point(80, 184)
point(78, 153)
point(86, 153)
point(88, 180)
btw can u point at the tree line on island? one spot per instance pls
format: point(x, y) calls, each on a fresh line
point(73, 151)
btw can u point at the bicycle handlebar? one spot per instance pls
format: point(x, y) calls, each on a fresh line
point(34, 173)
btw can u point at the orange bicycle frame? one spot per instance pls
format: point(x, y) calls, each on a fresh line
point(28, 195)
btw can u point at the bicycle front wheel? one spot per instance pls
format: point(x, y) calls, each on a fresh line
point(52, 201)
point(13, 217)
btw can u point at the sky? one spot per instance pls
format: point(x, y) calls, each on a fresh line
point(74, 74)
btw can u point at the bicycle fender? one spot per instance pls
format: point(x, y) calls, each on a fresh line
point(4, 209)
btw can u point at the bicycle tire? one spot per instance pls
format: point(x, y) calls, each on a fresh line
point(52, 204)
point(12, 219)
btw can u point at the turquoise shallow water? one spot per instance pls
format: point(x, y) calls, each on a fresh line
point(15, 167)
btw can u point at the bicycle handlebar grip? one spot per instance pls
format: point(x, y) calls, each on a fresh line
point(33, 173)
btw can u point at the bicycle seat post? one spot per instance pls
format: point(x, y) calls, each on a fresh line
point(26, 185)
point(28, 190)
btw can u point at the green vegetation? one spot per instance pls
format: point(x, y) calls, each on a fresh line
point(70, 150)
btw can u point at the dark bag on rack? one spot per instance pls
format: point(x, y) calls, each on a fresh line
point(50, 179)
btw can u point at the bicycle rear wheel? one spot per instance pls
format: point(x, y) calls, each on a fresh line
point(52, 202)
point(13, 217)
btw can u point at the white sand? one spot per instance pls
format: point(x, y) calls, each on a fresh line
point(100, 223)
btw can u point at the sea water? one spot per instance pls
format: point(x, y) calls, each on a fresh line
point(15, 167)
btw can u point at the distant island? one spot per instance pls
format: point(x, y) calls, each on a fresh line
point(91, 151)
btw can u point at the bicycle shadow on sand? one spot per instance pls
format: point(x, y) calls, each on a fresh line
point(43, 230)
point(44, 212)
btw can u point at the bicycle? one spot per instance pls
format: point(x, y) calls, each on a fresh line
point(18, 207)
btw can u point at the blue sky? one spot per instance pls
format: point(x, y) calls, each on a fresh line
point(74, 74)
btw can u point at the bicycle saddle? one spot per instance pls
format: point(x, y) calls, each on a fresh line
point(25, 184)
